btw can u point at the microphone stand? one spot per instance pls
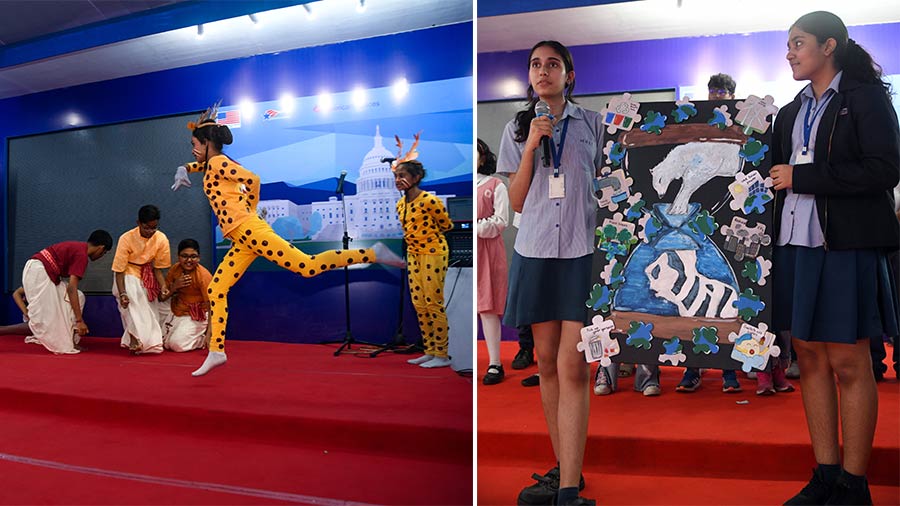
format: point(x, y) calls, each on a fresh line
point(348, 341)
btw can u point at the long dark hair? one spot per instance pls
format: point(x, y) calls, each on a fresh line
point(849, 56)
point(217, 134)
point(523, 118)
point(490, 159)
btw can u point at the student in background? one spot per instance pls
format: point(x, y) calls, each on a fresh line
point(52, 309)
point(185, 320)
point(141, 254)
point(493, 216)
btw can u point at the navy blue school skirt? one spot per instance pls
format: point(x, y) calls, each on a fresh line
point(548, 289)
point(833, 296)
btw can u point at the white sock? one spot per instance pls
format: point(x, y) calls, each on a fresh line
point(436, 362)
point(420, 360)
point(384, 255)
point(213, 359)
point(490, 325)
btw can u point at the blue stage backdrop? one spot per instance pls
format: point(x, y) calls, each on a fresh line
point(299, 157)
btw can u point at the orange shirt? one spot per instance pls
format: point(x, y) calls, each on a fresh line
point(196, 292)
point(424, 222)
point(133, 251)
point(232, 190)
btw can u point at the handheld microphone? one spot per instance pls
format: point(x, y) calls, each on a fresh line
point(340, 187)
point(543, 109)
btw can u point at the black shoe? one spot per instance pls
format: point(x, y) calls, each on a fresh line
point(816, 492)
point(494, 375)
point(532, 381)
point(523, 359)
point(844, 495)
point(544, 491)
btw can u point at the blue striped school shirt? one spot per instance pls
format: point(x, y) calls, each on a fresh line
point(799, 218)
point(559, 228)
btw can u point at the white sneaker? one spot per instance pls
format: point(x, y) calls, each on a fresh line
point(652, 391)
point(601, 382)
point(436, 362)
point(420, 360)
point(384, 255)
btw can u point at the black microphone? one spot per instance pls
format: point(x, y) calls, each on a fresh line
point(543, 109)
point(387, 159)
point(340, 188)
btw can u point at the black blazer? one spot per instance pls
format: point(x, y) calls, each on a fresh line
point(856, 167)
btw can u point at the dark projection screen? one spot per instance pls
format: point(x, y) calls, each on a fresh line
point(64, 185)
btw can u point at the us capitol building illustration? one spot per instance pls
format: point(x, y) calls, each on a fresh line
point(371, 212)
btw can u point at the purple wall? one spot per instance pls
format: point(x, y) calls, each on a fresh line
point(669, 63)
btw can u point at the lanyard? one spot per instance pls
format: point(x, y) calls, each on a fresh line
point(557, 152)
point(807, 124)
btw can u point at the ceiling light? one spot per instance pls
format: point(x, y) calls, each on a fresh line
point(358, 98)
point(400, 88)
point(324, 102)
point(286, 102)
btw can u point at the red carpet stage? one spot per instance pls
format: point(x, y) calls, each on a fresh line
point(700, 448)
point(279, 424)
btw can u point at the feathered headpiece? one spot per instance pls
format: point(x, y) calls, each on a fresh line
point(410, 155)
point(207, 118)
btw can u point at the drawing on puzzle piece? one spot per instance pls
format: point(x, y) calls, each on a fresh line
point(705, 340)
point(654, 123)
point(621, 113)
point(743, 240)
point(612, 188)
point(674, 278)
point(636, 206)
point(754, 111)
point(748, 305)
point(721, 118)
point(695, 163)
point(753, 346)
point(616, 236)
point(613, 274)
point(684, 109)
point(673, 353)
point(601, 298)
point(754, 151)
point(650, 228)
point(703, 223)
point(615, 153)
point(750, 193)
point(640, 335)
point(757, 270)
point(596, 343)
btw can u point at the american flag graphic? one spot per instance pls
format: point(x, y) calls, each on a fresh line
point(270, 113)
point(230, 118)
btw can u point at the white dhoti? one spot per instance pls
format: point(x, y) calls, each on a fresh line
point(50, 315)
point(140, 319)
point(181, 333)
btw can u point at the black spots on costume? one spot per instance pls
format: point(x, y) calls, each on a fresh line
point(288, 264)
point(225, 164)
point(365, 260)
point(265, 243)
point(324, 266)
point(312, 272)
point(209, 291)
point(362, 251)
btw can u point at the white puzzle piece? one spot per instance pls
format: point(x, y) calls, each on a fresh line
point(612, 188)
point(744, 241)
point(621, 113)
point(596, 344)
point(753, 346)
point(754, 111)
point(750, 185)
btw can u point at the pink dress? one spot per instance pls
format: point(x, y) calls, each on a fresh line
point(492, 269)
